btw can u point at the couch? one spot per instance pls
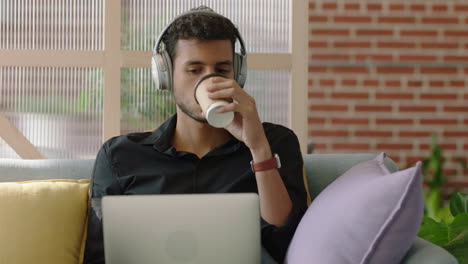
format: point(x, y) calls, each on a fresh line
point(321, 170)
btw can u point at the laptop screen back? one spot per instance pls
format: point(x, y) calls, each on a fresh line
point(187, 228)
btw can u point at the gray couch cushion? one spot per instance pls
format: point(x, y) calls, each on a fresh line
point(424, 252)
point(323, 169)
point(25, 170)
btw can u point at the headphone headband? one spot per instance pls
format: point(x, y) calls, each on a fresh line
point(200, 12)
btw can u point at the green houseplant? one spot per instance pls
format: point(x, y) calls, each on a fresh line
point(446, 226)
point(451, 235)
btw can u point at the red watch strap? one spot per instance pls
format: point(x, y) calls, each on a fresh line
point(265, 165)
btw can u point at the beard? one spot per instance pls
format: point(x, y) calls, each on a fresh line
point(190, 111)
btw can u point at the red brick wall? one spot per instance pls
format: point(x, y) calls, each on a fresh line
point(384, 75)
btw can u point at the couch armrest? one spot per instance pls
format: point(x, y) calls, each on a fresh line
point(423, 251)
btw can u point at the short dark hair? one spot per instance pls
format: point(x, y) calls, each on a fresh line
point(199, 26)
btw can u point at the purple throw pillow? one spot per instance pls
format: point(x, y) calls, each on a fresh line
point(368, 215)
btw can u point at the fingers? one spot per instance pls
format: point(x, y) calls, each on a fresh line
point(221, 94)
point(240, 96)
point(218, 79)
point(228, 89)
point(220, 83)
point(232, 107)
point(244, 109)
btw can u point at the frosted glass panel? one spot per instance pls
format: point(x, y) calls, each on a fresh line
point(51, 24)
point(142, 106)
point(6, 152)
point(270, 88)
point(59, 110)
point(263, 24)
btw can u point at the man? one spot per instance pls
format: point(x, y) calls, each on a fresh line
point(187, 155)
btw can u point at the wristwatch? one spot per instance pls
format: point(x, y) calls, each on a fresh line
point(269, 164)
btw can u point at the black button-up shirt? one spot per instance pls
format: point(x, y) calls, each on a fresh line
point(147, 163)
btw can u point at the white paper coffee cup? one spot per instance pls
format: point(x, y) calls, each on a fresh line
point(218, 119)
point(210, 106)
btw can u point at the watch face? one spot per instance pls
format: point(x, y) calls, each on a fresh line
point(278, 161)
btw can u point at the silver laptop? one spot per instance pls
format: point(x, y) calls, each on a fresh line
point(188, 228)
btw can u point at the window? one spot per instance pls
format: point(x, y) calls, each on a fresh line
point(71, 77)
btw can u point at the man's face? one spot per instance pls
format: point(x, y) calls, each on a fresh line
point(193, 59)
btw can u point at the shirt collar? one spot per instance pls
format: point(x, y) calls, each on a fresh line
point(161, 138)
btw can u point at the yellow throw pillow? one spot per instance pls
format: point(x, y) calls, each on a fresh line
point(43, 221)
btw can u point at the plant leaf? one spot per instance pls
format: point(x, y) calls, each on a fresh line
point(432, 203)
point(458, 244)
point(433, 231)
point(453, 237)
point(459, 204)
point(459, 252)
point(444, 214)
point(434, 164)
point(457, 227)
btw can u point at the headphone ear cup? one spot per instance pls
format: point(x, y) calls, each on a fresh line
point(168, 72)
point(154, 70)
point(240, 69)
point(161, 70)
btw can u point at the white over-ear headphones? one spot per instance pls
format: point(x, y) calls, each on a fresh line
point(161, 63)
